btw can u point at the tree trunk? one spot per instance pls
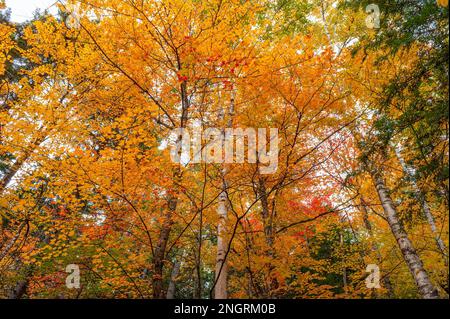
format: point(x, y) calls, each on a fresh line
point(409, 172)
point(344, 269)
point(386, 279)
point(265, 212)
point(221, 274)
point(12, 171)
point(267, 218)
point(413, 261)
point(173, 278)
point(220, 290)
point(12, 242)
point(19, 290)
point(160, 250)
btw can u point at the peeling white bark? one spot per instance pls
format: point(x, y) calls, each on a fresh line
point(412, 259)
point(409, 171)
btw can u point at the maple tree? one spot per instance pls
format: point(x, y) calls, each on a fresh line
point(89, 98)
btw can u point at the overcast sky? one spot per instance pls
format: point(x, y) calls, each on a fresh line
point(23, 9)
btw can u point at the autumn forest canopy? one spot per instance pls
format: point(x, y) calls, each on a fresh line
point(347, 197)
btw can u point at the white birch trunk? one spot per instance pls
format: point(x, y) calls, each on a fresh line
point(408, 171)
point(412, 259)
point(221, 274)
point(220, 290)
